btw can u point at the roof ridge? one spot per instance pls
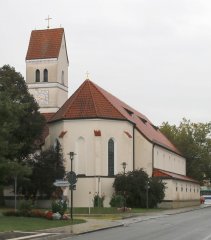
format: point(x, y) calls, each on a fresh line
point(89, 83)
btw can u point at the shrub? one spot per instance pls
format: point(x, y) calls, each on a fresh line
point(117, 201)
point(25, 207)
point(10, 213)
point(59, 206)
point(98, 201)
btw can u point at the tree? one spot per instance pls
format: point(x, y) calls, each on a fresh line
point(134, 184)
point(47, 166)
point(21, 124)
point(20, 121)
point(194, 143)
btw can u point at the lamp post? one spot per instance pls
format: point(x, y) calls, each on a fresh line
point(124, 164)
point(71, 186)
point(15, 178)
point(147, 194)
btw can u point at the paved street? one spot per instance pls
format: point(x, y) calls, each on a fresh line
point(193, 225)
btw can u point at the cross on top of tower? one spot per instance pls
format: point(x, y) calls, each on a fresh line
point(48, 19)
point(87, 75)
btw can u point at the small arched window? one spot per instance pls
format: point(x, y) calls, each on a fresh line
point(37, 75)
point(45, 74)
point(62, 77)
point(110, 157)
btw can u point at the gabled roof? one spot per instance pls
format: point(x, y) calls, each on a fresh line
point(91, 101)
point(170, 175)
point(45, 43)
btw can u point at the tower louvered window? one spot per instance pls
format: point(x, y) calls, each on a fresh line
point(37, 75)
point(45, 74)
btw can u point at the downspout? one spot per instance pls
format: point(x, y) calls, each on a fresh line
point(133, 147)
point(153, 147)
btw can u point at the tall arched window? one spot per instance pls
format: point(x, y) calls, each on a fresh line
point(37, 75)
point(45, 74)
point(110, 157)
point(62, 78)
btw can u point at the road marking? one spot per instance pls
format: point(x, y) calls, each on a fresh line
point(31, 236)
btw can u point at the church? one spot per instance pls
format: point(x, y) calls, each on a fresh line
point(101, 130)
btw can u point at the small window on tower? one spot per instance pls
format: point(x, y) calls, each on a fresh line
point(45, 75)
point(37, 75)
point(62, 77)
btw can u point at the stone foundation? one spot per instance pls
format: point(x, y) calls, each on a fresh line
point(178, 204)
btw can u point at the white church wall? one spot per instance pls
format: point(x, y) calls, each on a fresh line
point(181, 190)
point(96, 147)
point(62, 64)
point(88, 187)
point(91, 159)
point(169, 161)
point(143, 153)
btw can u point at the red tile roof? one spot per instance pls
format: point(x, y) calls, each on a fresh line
point(166, 174)
point(91, 101)
point(45, 43)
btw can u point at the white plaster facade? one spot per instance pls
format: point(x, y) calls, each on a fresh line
point(91, 159)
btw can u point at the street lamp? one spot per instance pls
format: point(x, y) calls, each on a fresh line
point(124, 164)
point(71, 186)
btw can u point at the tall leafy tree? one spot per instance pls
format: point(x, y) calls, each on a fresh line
point(194, 142)
point(20, 121)
point(20, 125)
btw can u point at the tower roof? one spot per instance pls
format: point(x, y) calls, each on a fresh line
point(91, 101)
point(45, 43)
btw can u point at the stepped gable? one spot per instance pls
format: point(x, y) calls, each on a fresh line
point(45, 44)
point(91, 101)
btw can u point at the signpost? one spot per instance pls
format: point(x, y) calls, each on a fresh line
point(72, 179)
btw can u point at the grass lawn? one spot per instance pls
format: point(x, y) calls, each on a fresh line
point(9, 223)
point(32, 224)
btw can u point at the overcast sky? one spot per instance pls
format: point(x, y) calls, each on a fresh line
point(155, 55)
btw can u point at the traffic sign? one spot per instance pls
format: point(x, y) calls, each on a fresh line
point(71, 177)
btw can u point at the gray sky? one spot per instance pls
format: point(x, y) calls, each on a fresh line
point(155, 55)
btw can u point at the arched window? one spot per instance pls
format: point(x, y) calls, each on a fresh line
point(45, 74)
point(110, 157)
point(62, 77)
point(37, 75)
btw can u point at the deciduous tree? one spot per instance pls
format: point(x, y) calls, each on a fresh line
point(134, 186)
point(194, 142)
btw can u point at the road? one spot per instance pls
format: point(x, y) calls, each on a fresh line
point(194, 225)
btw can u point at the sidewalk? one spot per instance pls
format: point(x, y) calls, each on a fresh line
point(93, 224)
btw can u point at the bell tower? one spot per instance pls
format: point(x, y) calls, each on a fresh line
point(47, 68)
